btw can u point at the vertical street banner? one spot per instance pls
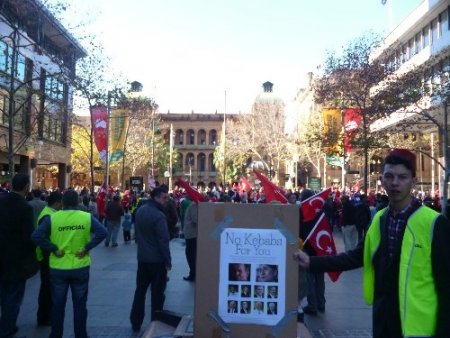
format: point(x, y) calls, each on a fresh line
point(118, 129)
point(99, 120)
point(252, 276)
point(332, 121)
point(352, 123)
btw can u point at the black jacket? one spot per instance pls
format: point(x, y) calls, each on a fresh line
point(386, 312)
point(17, 251)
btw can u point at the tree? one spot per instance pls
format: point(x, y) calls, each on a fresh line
point(81, 150)
point(347, 82)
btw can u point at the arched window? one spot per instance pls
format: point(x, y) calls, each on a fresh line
point(201, 160)
point(179, 137)
point(190, 137)
point(212, 167)
point(202, 137)
point(190, 160)
point(213, 137)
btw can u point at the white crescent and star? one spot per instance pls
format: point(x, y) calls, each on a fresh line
point(317, 207)
point(321, 233)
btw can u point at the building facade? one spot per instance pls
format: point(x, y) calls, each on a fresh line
point(195, 138)
point(37, 66)
point(422, 41)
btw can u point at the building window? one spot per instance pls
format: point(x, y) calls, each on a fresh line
point(201, 158)
point(54, 109)
point(213, 137)
point(4, 103)
point(191, 137)
point(6, 63)
point(179, 136)
point(202, 137)
point(212, 167)
point(54, 88)
point(190, 160)
point(426, 36)
point(434, 31)
point(418, 42)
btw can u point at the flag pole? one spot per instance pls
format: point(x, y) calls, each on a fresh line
point(224, 141)
point(108, 112)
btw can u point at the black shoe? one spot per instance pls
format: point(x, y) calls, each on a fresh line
point(106, 244)
point(300, 317)
point(136, 328)
point(114, 245)
point(309, 310)
point(321, 309)
point(189, 278)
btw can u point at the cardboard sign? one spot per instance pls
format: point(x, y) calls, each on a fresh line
point(245, 271)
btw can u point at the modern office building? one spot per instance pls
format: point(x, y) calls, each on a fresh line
point(37, 65)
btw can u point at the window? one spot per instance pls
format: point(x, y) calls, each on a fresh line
point(418, 42)
point(434, 31)
point(212, 167)
point(201, 158)
point(190, 161)
point(3, 57)
point(213, 137)
point(426, 36)
point(5, 62)
point(54, 88)
point(411, 48)
point(202, 137)
point(191, 137)
point(179, 137)
point(4, 102)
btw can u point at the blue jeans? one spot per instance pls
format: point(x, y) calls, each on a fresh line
point(11, 296)
point(156, 275)
point(78, 281)
point(113, 232)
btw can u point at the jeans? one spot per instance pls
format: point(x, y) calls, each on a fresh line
point(156, 275)
point(78, 281)
point(11, 296)
point(45, 296)
point(350, 234)
point(113, 231)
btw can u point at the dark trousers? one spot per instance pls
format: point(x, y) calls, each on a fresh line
point(127, 235)
point(154, 274)
point(11, 297)
point(316, 290)
point(191, 255)
point(45, 295)
point(78, 281)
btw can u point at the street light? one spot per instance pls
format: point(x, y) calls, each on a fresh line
point(343, 145)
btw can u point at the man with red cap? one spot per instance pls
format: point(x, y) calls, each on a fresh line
point(405, 258)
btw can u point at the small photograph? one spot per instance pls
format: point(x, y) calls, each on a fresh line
point(272, 291)
point(233, 290)
point(267, 273)
point(232, 306)
point(258, 307)
point(271, 308)
point(246, 291)
point(245, 307)
point(239, 272)
point(259, 291)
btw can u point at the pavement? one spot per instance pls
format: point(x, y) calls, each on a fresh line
point(112, 284)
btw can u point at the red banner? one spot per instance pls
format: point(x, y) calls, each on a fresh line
point(352, 122)
point(313, 206)
point(99, 120)
point(272, 191)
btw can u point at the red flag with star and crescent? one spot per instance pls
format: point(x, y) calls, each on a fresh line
point(273, 192)
point(193, 194)
point(321, 239)
point(312, 206)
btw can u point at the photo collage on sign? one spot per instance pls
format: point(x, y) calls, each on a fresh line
point(252, 289)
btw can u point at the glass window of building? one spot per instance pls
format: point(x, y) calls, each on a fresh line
point(426, 36)
point(201, 162)
point(191, 137)
point(202, 137)
point(213, 137)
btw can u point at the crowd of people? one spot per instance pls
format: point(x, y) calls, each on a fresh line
point(53, 232)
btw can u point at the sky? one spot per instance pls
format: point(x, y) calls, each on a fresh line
point(189, 53)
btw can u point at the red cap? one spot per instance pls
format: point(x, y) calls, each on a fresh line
point(406, 155)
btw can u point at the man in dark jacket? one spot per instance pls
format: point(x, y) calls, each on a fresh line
point(17, 252)
point(406, 259)
point(114, 213)
point(153, 254)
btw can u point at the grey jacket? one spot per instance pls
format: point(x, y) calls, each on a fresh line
point(152, 234)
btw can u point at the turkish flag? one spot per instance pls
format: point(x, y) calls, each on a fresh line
point(193, 194)
point(273, 192)
point(101, 200)
point(99, 120)
point(244, 184)
point(312, 206)
point(321, 239)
